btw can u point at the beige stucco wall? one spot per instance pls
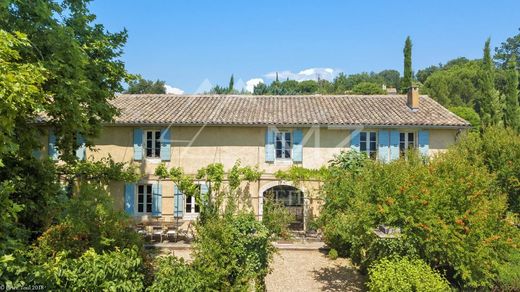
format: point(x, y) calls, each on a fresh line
point(196, 147)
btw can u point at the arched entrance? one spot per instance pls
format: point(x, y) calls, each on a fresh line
point(292, 199)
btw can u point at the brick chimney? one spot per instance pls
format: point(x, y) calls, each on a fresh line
point(413, 97)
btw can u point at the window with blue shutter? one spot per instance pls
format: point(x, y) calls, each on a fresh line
point(138, 144)
point(156, 199)
point(394, 144)
point(81, 151)
point(129, 198)
point(424, 142)
point(298, 145)
point(269, 145)
point(178, 207)
point(165, 145)
point(52, 149)
point(384, 146)
point(354, 140)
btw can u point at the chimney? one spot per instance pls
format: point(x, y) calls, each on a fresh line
point(413, 97)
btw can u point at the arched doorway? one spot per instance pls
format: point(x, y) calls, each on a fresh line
point(292, 199)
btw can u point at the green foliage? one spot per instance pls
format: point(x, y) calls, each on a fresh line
point(469, 114)
point(232, 252)
point(368, 88)
point(139, 85)
point(455, 85)
point(82, 66)
point(407, 73)
point(119, 270)
point(174, 274)
point(88, 220)
point(507, 49)
point(352, 161)
point(509, 273)
point(451, 213)
point(403, 274)
point(333, 254)
point(512, 109)
point(498, 150)
point(277, 218)
point(20, 88)
point(298, 174)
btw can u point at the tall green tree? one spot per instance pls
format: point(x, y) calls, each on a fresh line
point(407, 74)
point(143, 86)
point(231, 86)
point(81, 60)
point(487, 103)
point(512, 110)
point(507, 49)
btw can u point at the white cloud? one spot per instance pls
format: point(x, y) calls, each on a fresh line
point(251, 83)
point(306, 74)
point(173, 90)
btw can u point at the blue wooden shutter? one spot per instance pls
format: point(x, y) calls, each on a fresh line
point(424, 142)
point(178, 202)
point(165, 145)
point(129, 198)
point(394, 144)
point(384, 147)
point(81, 151)
point(53, 151)
point(156, 199)
point(138, 144)
point(298, 146)
point(269, 145)
point(354, 140)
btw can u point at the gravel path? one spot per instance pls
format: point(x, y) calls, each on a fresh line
point(311, 270)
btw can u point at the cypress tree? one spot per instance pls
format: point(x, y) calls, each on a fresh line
point(231, 84)
point(484, 105)
point(407, 76)
point(512, 111)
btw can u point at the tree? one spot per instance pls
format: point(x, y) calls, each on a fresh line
point(231, 84)
point(469, 114)
point(512, 111)
point(507, 49)
point(422, 75)
point(486, 102)
point(143, 86)
point(82, 64)
point(390, 78)
point(407, 75)
point(368, 88)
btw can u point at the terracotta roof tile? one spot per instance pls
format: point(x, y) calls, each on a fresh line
point(337, 110)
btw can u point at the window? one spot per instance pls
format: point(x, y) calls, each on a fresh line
point(153, 144)
point(368, 143)
point(283, 145)
point(144, 199)
point(191, 204)
point(406, 142)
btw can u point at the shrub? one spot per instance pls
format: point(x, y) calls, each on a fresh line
point(173, 274)
point(333, 254)
point(509, 273)
point(232, 252)
point(451, 213)
point(119, 270)
point(403, 274)
point(277, 218)
point(89, 220)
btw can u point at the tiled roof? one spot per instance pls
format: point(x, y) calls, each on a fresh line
point(335, 110)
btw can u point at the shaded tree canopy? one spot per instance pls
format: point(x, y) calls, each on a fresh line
point(140, 85)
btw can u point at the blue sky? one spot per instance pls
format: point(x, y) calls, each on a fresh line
point(188, 42)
